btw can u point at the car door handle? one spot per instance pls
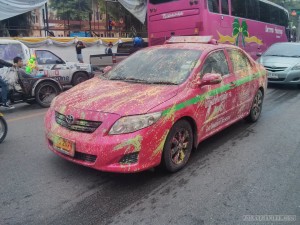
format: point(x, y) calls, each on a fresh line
point(232, 85)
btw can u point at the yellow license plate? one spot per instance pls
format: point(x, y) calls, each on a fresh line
point(63, 145)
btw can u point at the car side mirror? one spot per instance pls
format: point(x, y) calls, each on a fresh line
point(106, 69)
point(211, 79)
point(59, 62)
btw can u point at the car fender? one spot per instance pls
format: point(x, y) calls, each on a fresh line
point(44, 80)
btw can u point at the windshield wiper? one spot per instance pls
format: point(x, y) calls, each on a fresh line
point(163, 82)
point(295, 56)
point(278, 55)
point(117, 78)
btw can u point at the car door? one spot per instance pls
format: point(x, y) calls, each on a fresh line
point(242, 69)
point(53, 66)
point(218, 102)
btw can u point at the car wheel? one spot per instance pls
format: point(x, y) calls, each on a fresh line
point(45, 93)
point(3, 129)
point(78, 78)
point(256, 107)
point(178, 146)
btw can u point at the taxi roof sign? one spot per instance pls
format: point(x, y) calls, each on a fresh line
point(190, 39)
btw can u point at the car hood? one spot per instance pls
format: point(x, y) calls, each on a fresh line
point(116, 97)
point(275, 61)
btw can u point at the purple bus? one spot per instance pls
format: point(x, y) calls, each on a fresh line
point(253, 25)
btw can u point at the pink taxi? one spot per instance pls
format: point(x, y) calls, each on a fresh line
point(154, 107)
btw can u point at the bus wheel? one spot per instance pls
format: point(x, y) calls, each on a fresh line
point(178, 146)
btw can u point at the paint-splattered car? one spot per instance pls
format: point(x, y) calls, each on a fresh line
point(156, 106)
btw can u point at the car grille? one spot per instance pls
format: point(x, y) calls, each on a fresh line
point(85, 126)
point(275, 69)
point(129, 158)
point(273, 79)
point(85, 157)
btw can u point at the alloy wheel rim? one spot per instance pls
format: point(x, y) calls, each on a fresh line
point(256, 109)
point(47, 94)
point(179, 146)
point(2, 129)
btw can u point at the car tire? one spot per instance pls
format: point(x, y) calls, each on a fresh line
point(3, 129)
point(45, 92)
point(256, 107)
point(178, 146)
point(78, 78)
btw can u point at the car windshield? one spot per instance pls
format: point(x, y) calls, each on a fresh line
point(284, 50)
point(156, 66)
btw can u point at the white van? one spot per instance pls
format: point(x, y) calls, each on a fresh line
point(48, 63)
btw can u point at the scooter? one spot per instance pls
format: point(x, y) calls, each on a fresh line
point(3, 128)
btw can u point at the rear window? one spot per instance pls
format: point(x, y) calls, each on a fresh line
point(9, 51)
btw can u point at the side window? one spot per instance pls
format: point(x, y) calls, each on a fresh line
point(238, 8)
point(213, 6)
point(264, 10)
point(224, 7)
point(46, 57)
point(239, 60)
point(215, 63)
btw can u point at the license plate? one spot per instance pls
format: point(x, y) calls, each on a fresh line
point(273, 75)
point(64, 145)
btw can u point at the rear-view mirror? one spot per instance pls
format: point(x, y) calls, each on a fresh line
point(211, 79)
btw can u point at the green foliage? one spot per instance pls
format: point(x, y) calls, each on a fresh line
point(72, 9)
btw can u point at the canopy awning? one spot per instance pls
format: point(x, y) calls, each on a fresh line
point(10, 8)
point(137, 7)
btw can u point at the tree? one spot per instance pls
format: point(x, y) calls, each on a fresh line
point(72, 9)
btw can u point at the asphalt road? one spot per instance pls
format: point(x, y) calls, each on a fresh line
point(248, 169)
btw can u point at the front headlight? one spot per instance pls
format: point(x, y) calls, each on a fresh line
point(130, 124)
point(296, 67)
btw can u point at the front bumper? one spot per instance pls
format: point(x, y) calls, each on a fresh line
point(126, 153)
point(284, 77)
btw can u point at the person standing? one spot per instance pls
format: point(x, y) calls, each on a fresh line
point(79, 46)
point(108, 50)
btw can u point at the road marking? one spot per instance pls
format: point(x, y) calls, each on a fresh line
point(26, 117)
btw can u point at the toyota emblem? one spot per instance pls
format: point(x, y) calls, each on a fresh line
point(70, 119)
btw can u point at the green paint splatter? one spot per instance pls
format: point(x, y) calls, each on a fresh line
point(160, 147)
point(135, 142)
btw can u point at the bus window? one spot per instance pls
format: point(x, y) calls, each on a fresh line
point(224, 5)
point(213, 6)
point(238, 8)
point(264, 9)
point(155, 2)
point(283, 18)
point(252, 7)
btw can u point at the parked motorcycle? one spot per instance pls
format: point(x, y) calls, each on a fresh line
point(3, 128)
